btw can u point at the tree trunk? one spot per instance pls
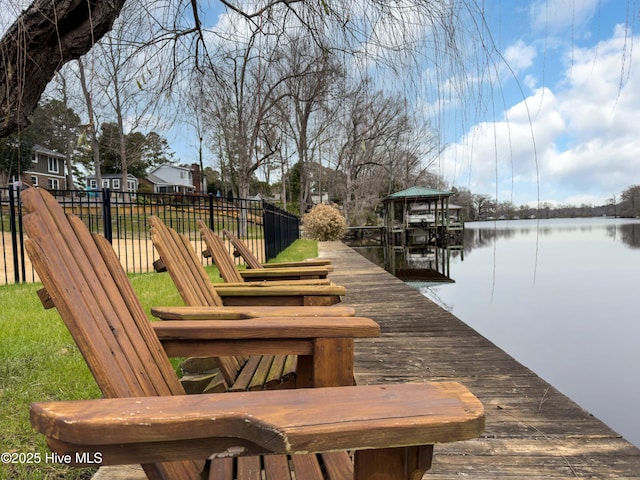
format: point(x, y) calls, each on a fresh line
point(95, 148)
point(69, 140)
point(43, 38)
point(124, 161)
point(243, 205)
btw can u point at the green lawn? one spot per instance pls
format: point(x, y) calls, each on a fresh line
point(39, 361)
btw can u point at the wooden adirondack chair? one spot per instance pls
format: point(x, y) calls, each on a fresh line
point(252, 261)
point(148, 420)
point(177, 255)
point(230, 273)
point(189, 276)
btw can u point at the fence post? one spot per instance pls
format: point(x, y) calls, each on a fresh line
point(266, 226)
point(211, 211)
point(14, 233)
point(106, 214)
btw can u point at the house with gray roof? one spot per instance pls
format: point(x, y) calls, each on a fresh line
point(169, 178)
point(47, 170)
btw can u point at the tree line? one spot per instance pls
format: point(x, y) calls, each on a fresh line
point(484, 207)
point(317, 98)
point(284, 111)
point(59, 128)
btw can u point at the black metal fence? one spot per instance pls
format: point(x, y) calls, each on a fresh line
point(123, 220)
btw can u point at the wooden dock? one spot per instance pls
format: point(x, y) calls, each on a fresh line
point(533, 431)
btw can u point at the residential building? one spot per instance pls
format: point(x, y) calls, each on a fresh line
point(174, 179)
point(47, 170)
point(113, 181)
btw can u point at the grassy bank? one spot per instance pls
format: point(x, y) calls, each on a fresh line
point(39, 361)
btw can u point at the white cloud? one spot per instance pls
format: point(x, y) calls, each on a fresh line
point(580, 136)
point(501, 156)
point(520, 56)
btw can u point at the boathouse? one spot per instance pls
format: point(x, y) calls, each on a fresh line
point(421, 216)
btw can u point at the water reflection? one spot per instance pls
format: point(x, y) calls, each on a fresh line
point(629, 234)
point(482, 234)
point(414, 264)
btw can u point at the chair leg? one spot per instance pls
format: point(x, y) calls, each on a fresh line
point(330, 365)
point(408, 463)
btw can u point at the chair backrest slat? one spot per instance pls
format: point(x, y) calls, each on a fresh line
point(220, 254)
point(183, 266)
point(64, 281)
point(157, 354)
point(249, 258)
point(114, 334)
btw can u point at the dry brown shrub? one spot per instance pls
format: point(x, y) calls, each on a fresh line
point(324, 223)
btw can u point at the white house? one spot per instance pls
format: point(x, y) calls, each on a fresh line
point(172, 179)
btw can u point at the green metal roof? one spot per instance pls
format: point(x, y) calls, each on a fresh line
point(416, 192)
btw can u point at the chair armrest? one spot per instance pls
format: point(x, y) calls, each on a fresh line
point(287, 272)
point(241, 313)
point(268, 328)
point(281, 290)
point(269, 336)
point(316, 262)
point(266, 281)
point(324, 345)
point(144, 430)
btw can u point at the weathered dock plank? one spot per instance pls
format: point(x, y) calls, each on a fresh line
point(533, 430)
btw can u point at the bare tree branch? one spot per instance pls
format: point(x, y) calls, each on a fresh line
point(260, 11)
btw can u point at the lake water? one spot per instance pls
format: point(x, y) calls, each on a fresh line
point(561, 296)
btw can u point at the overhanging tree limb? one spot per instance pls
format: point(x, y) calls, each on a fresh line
point(40, 41)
